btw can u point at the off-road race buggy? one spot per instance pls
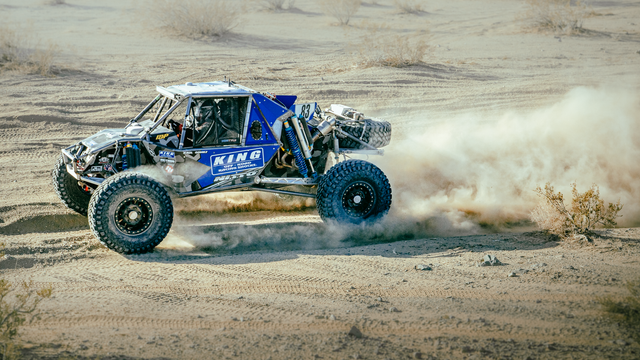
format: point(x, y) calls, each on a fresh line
point(218, 136)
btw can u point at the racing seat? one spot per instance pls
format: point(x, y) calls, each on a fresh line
point(205, 114)
point(229, 122)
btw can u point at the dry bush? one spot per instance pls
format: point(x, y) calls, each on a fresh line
point(278, 4)
point(627, 310)
point(587, 211)
point(56, 2)
point(408, 6)
point(563, 16)
point(197, 18)
point(342, 10)
point(379, 48)
point(16, 308)
point(18, 51)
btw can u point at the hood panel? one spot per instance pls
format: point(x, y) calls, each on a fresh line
point(103, 138)
point(108, 137)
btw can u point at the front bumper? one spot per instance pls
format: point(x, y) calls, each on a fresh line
point(71, 164)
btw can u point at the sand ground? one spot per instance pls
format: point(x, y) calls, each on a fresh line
point(204, 294)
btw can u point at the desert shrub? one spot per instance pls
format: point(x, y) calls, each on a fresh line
point(379, 47)
point(342, 10)
point(392, 50)
point(627, 310)
point(587, 211)
point(18, 51)
point(197, 18)
point(564, 16)
point(408, 6)
point(16, 308)
point(278, 4)
point(56, 2)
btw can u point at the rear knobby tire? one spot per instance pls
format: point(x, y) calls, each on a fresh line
point(130, 213)
point(68, 190)
point(376, 133)
point(353, 191)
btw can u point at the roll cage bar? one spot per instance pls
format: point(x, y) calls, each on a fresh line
point(168, 96)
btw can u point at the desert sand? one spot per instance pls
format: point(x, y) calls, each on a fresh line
point(494, 110)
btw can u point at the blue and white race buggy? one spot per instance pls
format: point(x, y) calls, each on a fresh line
point(201, 138)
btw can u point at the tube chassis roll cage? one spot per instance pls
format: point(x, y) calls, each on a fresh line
point(259, 182)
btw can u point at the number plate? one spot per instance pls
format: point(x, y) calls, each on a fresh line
point(305, 110)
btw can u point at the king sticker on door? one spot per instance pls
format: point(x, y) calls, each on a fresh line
point(229, 163)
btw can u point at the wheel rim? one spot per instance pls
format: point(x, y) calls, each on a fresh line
point(133, 216)
point(358, 199)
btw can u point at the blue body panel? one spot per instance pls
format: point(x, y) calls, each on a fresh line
point(229, 161)
point(266, 138)
point(287, 100)
point(271, 109)
point(233, 166)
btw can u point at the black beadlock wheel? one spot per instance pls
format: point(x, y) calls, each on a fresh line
point(130, 213)
point(353, 191)
point(68, 190)
point(376, 133)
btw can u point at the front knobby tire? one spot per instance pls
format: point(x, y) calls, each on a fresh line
point(68, 190)
point(353, 191)
point(130, 213)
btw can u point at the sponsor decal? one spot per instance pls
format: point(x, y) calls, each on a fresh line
point(169, 169)
point(108, 167)
point(167, 154)
point(161, 137)
point(96, 168)
point(235, 176)
point(236, 161)
point(103, 160)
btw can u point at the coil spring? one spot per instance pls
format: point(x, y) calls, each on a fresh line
point(295, 149)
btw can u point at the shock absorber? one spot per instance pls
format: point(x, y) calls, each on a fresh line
point(124, 156)
point(303, 142)
point(295, 149)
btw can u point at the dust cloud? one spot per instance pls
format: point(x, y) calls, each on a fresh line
point(484, 169)
point(464, 175)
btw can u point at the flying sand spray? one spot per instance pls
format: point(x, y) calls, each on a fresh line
point(467, 171)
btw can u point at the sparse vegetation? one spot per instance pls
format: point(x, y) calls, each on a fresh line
point(587, 211)
point(378, 47)
point(562, 16)
point(197, 18)
point(278, 4)
point(627, 310)
point(408, 6)
point(342, 10)
point(19, 52)
point(16, 308)
point(56, 2)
